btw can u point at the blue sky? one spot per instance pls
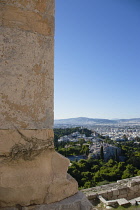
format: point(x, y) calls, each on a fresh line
point(97, 59)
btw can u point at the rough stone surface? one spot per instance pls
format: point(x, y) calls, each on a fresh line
point(133, 202)
point(21, 143)
point(26, 80)
point(75, 202)
point(122, 202)
point(126, 189)
point(31, 172)
point(10, 208)
point(43, 179)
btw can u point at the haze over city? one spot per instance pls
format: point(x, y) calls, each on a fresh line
point(97, 59)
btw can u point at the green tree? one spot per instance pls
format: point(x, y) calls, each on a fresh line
point(130, 171)
point(85, 149)
point(102, 153)
point(81, 142)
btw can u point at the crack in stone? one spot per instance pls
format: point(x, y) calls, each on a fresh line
point(31, 149)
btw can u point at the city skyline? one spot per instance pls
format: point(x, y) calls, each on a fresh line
point(97, 59)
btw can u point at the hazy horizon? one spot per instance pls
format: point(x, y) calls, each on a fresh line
point(98, 118)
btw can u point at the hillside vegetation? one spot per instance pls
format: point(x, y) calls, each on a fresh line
point(92, 172)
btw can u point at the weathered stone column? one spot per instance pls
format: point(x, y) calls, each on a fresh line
point(31, 172)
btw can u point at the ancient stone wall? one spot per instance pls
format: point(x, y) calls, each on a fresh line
point(31, 172)
point(128, 189)
point(26, 74)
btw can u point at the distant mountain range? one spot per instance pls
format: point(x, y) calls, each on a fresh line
point(95, 121)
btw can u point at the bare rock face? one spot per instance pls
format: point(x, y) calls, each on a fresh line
point(31, 172)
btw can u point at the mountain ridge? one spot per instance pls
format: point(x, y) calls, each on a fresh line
point(86, 120)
